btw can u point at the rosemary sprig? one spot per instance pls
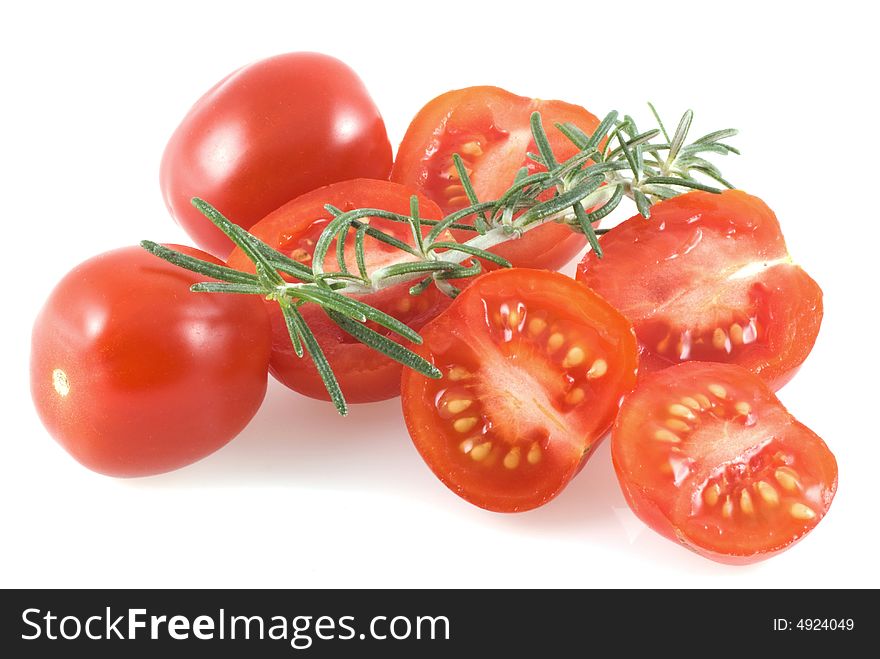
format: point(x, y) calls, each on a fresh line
point(615, 161)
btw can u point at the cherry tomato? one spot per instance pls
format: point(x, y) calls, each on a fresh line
point(707, 456)
point(709, 278)
point(489, 128)
point(364, 375)
point(266, 134)
point(135, 375)
point(534, 365)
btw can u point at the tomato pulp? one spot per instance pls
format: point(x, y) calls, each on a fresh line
point(364, 375)
point(708, 278)
point(267, 133)
point(534, 365)
point(135, 375)
point(489, 128)
point(707, 456)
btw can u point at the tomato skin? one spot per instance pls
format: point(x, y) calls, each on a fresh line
point(364, 375)
point(135, 375)
point(532, 408)
point(498, 121)
point(267, 133)
point(766, 440)
point(690, 249)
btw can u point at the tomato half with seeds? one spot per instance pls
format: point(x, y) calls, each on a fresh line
point(489, 128)
point(364, 375)
point(267, 133)
point(707, 456)
point(708, 278)
point(534, 365)
point(135, 375)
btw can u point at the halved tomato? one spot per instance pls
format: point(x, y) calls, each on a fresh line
point(534, 365)
point(709, 278)
point(364, 375)
point(707, 456)
point(489, 128)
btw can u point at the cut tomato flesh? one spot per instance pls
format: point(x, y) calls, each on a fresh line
point(533, 367)
point(489, 129)
point(707, 455)
point(708, 278)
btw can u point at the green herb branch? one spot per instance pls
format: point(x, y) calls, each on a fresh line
point(613, 162)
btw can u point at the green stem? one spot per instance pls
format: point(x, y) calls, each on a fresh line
point(492, 238)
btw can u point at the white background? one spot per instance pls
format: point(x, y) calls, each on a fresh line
point(91, 92)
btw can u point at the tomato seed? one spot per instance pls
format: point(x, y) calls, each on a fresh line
point(768, 492)
point(677, 409)
point(743, 408)
point(711, 494)
point(466, 424)
point(555, 342)
point(598, 369)
point(800, 511)
point(745, 502)
point(480, 451)
point(664, 435)
point(717, 390)
point(677, 424)
point(536, 326)
point(511, 460)
point(534, 455)
point(736, 334)
point(574, 357)
point(787, 478)
point(457, 406)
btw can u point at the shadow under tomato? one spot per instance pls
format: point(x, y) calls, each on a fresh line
point(302, 442)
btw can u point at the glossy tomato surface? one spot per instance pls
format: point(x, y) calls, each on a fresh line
point(267, 133)
point(364, 375)
point(708, 278)
point(707, 456)
point(489, 128)
point(533, 365)
point(135, 375)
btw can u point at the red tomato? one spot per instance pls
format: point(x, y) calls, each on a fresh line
point(267, 133)
point(364, 375)
point(135, 375)
point(534, 365)
point(489, 128)
point(707, 456)
point(708, 278)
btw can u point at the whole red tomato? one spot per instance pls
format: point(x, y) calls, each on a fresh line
point(135, 375)
point(266, 134)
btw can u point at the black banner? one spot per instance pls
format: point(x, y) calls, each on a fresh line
point(419, 623)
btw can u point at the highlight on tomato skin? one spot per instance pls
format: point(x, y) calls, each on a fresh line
point(709, 278)
point(489, 128)
point(534, 365)
point(364, 374)
point(134, 375)
point(708, 457)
